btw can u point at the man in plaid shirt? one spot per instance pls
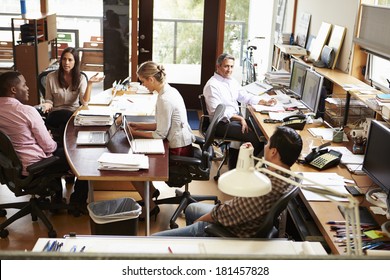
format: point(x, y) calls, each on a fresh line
point(242, 216)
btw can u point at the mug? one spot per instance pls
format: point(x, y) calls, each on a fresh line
point(338, 134)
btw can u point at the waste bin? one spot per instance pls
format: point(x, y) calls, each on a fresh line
point(114, 217)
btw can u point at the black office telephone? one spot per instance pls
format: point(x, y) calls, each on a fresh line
point(323, 158)
point(295, 121)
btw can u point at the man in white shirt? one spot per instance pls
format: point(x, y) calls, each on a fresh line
point(222, 88)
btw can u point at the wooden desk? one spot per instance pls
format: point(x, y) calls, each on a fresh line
point(84, 164)
point(320, 211)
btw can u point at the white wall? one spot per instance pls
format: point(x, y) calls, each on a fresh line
point(336, 12)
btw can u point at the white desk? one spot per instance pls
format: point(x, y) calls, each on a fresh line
point(192, 246)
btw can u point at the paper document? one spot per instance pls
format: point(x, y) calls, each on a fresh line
point(275, 108)
point(257, 88)
point(123, 161)
point(348, 156)
point(325, 133)
point(331, 180)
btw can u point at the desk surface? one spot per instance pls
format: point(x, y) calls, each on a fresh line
point(321, 211)
point(186, 246)
point(84, 164)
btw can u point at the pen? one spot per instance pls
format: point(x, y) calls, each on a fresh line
point(73, 249)
point(131, 101)
point(52, 246)
point(170, 250)
point(82, 249)
point(46, 246)
point(336, 223)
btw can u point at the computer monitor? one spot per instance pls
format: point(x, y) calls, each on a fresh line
point(312, 89)
point(298, 74)
point(376, 163)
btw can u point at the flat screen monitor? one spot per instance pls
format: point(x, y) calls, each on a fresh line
point(312, 88)
point(376, 162)
point(298, 73)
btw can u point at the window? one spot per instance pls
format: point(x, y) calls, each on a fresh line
point(378, 72)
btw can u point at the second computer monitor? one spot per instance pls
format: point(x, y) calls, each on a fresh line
point(298, 73)
point(311, 93)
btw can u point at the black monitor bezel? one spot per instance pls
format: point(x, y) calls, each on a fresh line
point(294, 65)
point(375, 125)
point(310, 72)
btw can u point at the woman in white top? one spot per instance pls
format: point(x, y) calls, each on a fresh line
point(66, 89)
point(171, 117)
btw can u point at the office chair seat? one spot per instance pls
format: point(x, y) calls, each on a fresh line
point(269, 227)
point(183, 170)
point(39, 185)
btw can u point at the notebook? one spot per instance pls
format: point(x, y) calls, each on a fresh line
point(97, 137)
point(143, 146)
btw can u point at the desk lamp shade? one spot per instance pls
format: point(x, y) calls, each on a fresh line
point(245, 180)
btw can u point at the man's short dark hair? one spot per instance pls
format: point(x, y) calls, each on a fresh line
point(8, 80)
point(288, 143)
point(224, 56)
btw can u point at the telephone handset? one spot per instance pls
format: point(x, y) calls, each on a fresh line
point(323, 158)
point(295, 121)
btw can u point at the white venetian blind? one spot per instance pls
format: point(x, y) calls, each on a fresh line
point(374, 30)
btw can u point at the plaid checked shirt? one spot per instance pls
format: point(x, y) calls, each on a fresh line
point(243, 215)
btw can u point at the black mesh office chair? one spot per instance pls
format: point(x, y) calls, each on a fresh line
point(221, 143)
point(182, 170)
point(39, 185)
point(270, 226)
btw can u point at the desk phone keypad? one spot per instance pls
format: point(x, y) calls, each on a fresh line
point(322, 160)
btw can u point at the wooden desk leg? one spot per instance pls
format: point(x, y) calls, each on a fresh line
point(91, 197)
point(147, 208)
point(347, 101)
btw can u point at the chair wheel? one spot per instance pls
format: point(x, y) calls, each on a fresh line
point(216, 177)
point(52, 234)
point(4, 233)
point(3, 212)
point(173, 225)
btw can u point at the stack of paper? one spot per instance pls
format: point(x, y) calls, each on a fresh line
point(123, 162)
point(331, 180)
point(257, 88)
point(278, 78)
point(94, 116)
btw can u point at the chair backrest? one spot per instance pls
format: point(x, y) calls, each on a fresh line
point(42, 81)
point(205, 118)
point(10, 164)
point(271, 219)
point(210, 132)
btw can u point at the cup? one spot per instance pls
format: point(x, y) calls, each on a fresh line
point(338, 134)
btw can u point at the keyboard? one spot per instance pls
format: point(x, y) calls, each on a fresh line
point(96, 137)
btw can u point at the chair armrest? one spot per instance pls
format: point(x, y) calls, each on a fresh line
point(41, 165)
point(199, 140)
point(184, 160)
point(217, 231)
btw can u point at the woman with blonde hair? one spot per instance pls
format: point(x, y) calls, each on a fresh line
point(170, 121)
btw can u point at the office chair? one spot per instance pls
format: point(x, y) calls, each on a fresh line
point(271, 224)
point(182, 170)
point(221, 143)
point(39, 184)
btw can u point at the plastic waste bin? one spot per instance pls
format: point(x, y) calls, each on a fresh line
point(114, 217)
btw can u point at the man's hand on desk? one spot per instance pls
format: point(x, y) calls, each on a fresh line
point(269, 102)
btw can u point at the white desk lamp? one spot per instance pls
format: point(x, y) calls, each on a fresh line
point(248, 180)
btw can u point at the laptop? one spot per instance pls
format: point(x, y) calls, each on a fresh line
point(97, 137)
point(143, 146)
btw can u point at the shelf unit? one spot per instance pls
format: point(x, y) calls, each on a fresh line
point(34, 41)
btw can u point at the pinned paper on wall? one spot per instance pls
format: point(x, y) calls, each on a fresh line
point(336, 41)
point(302, 30)
point(320, 41)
